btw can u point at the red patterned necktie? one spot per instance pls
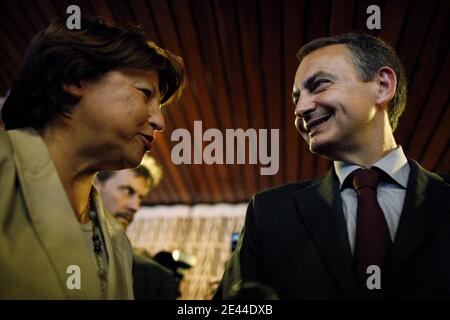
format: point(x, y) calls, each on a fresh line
point(372, 241)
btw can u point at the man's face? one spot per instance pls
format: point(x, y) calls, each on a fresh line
point(122, 194)
point(334, 110)
point(117, 116)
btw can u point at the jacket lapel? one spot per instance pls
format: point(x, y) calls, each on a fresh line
point(52, 215)
point(117, 244)
point(321, 210)
point(426, 204)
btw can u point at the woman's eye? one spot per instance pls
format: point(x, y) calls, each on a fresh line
point(146, 92)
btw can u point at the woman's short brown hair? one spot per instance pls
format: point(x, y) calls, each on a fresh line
point(58, 56)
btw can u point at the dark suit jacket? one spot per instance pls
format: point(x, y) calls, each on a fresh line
point(152, 281)
point(295, 240)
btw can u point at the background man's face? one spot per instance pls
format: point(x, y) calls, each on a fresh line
point(335, 110)
point(122, 194)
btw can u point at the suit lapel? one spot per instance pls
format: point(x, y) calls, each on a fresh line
point(51, 214)
point(321, 210)
point(426, 204)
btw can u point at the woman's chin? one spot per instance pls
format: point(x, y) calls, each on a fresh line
point(132, 158)
point(133, 162)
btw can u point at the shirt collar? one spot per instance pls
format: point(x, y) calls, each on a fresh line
point(394, 164)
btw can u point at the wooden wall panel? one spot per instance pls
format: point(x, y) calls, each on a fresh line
point(240, 59)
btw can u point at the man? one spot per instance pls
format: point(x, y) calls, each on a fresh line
point(122, 193)
point(377, 226)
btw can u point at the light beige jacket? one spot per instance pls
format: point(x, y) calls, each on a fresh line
point(40, 236)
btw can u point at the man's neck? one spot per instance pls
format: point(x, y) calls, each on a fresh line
point(366, 159)
point(366, 154)
point(369, 146)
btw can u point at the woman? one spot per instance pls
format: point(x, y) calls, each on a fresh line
point(85, 100)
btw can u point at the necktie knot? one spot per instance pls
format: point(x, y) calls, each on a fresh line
point(365, 178)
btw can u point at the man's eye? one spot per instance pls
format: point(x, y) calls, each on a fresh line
point(319, 84)
point(127, 190)
point(146, 92)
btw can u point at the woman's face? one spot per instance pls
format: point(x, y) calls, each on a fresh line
point(117, 116)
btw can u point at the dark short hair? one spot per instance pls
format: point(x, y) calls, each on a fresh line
point(58, 56)
point(139, 171)
point(368, 54)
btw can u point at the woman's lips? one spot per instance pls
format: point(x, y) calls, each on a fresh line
point(147, 141)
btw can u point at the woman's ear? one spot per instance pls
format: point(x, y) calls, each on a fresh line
point(74, 90)
point(387, 85)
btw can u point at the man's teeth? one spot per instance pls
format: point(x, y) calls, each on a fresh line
point(322, 120)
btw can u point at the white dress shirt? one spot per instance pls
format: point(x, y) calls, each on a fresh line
point(390, 194)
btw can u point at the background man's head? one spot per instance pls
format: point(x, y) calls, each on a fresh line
point(122, 191)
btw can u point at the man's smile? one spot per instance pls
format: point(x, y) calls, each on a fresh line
point(313, 123)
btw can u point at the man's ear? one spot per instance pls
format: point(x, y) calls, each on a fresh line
point(387, 84)
point(75, 90)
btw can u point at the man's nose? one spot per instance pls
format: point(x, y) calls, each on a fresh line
point(305, 105)
point(156, 118)
point(134, 203)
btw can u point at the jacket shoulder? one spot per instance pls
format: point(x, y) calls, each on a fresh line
point(282, 192)
point(279, 200)
point(7, 163)
point(438, 179)
point(6, 149)
point(150, 265)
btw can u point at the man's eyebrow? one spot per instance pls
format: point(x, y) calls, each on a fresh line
point(127, 186)
point(308, 83)
point(319, 74)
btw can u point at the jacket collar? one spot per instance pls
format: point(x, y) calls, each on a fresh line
point(426, 205)
point(54, 220)
point(116, 244)
point(321, 210)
